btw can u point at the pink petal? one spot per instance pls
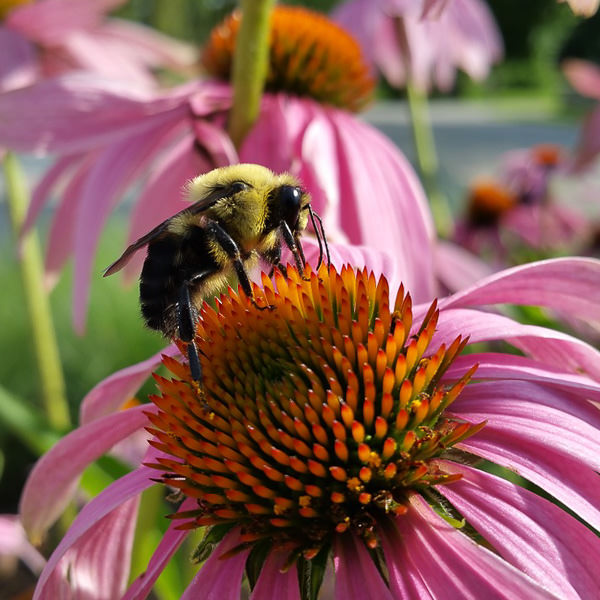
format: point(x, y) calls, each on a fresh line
point(97, 565)
point(272, 583)
point(80, 111)
point(89, 520)
point(112, 173)
point(507, 366)
point(564, 284)
point(567, 479)
point(49, 21)
point(110, 394)
point(448, 562)
point(533, 413)
point(14, 543)
point(588, 146)
point(53, 480)
point(18, 65)
point(584, 76)
point(457, 268)
point(356, 576)
point(391, 189)
point(219, 579)
point(169, 543)
point(531, 533)
point(552, 347)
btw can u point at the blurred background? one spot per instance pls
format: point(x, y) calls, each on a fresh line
point(525, 101)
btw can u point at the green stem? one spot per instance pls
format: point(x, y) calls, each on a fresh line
point(250, 66)
point(36, 298)
point(427, 158)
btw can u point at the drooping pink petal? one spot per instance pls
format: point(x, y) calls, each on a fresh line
point(534, 413)
point(97, 565)
point(89, 520)
point(563, 284)
point(43, 189)
point(108, 178)
point(111, 393)
point(14, 543)
point(530, 532)
point(62, 229)
point(54, 478)
point(450, 563)
point(567, 479)
point(48, 22)
point(356, 576)
point(18, 67)
point(81, 111)
point(219, 579)
point(168, 545)
point(272, 583)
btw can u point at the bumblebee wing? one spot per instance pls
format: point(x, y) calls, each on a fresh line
point(133, 248)
point(199, 206)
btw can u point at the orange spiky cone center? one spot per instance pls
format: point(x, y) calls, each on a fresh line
point(321, 414)
point(309, 56)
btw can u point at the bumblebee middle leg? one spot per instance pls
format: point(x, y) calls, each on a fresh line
point(186, 321)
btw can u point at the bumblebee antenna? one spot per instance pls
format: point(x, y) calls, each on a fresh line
point(321, 238)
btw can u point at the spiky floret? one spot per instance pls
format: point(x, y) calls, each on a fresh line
point(309, 56)
point(317, 416)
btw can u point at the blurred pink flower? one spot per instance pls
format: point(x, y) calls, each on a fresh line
point(108, 135)
point(520, 212)
point(49, 37)
point(584, 76)
point(539, 412)
point(14, 545)
point(399, 42)
point(583, 7)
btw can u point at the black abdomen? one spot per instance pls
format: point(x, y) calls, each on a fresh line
point(172, 260)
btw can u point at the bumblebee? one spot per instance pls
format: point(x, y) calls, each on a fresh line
point(239, 214)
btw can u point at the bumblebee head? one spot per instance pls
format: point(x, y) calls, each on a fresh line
point(293, 206)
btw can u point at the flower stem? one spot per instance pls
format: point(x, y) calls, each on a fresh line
point(427, 158)
point(250, 66)
point(36, 298)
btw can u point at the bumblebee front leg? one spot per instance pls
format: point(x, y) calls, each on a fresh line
point(230, 248)
point(294, 246)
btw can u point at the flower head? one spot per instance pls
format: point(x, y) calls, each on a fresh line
point(404, 40)
point(309, 56)
point(319, 416)
point(338, 423)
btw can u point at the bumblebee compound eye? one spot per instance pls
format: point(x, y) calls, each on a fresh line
point(290, 198)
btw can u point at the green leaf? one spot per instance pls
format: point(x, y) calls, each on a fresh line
point(26, 423)
point(256, 560)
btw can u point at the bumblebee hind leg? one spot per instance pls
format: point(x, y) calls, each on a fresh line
point(187, 328)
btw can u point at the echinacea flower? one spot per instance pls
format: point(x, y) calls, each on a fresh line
point(341, 431)
point(584, 76)
point(49, 37)
point(583, 7)
point(402, 43)
point(519, 211)
point(107, 135)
